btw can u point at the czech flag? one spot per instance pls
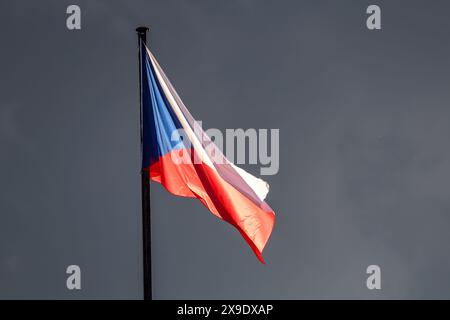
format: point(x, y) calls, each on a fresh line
point(179, 155)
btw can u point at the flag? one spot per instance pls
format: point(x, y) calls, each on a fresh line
point(179, 155)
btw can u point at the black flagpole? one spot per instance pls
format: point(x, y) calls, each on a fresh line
point(145, 188)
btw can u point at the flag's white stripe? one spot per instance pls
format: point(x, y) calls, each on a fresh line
point(203, 156)
point(259, 187)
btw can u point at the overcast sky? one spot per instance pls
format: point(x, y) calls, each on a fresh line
point(364, 123)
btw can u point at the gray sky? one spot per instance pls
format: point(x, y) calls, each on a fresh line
point(364, 160)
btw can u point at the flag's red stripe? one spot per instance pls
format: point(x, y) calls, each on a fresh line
point(220, 197)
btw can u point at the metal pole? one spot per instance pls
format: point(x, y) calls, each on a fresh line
point(145, 184)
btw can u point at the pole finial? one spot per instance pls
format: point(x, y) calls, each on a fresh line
point(142, 30)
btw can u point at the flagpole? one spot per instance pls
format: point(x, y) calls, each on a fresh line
point(145, 187)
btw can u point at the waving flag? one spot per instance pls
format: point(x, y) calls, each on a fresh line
point(179, 155)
